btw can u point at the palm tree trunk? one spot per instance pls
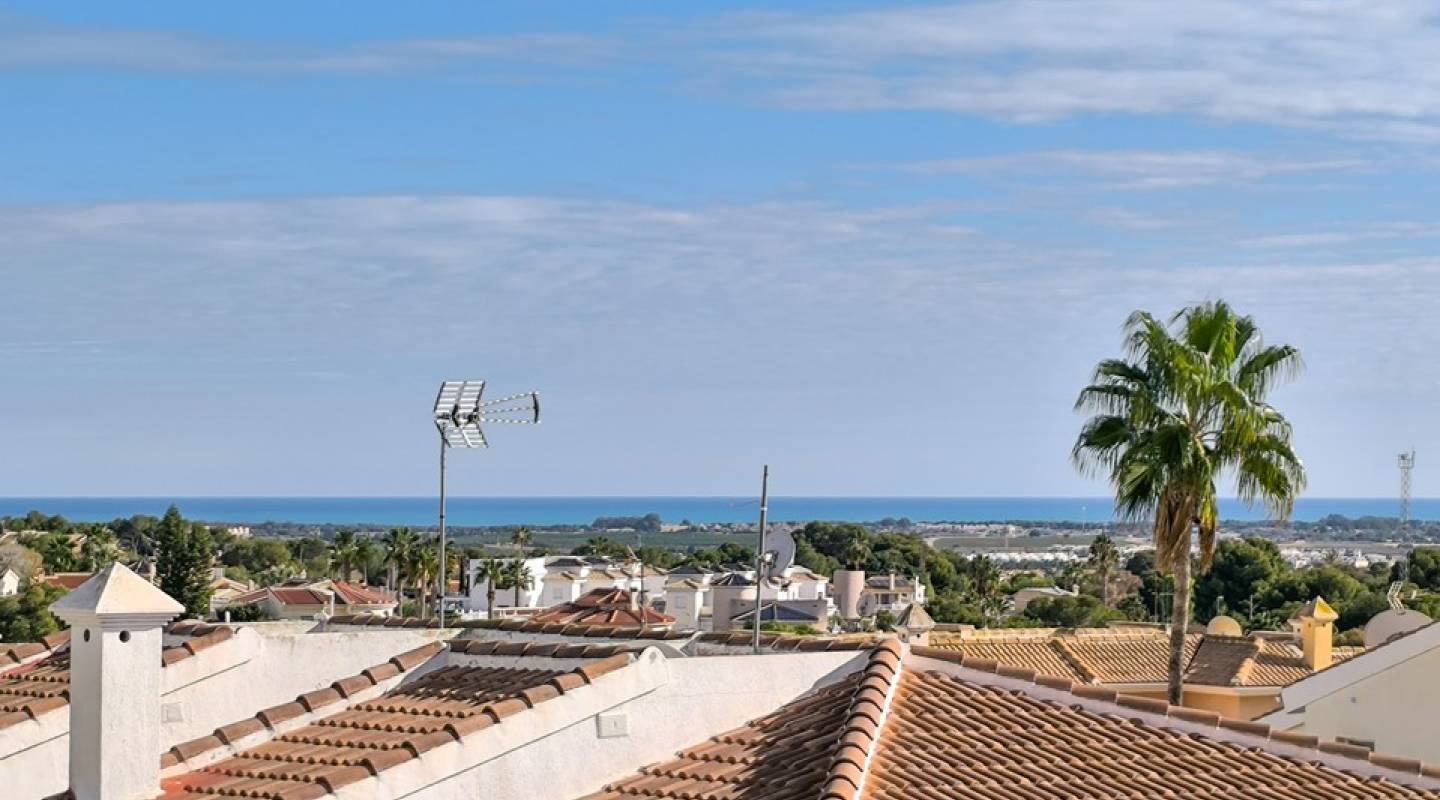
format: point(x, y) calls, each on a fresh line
point(490, 599)
point(1179, 625)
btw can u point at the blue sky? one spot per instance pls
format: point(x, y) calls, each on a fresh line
point(879, 247)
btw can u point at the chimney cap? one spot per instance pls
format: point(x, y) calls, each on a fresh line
point(117, 592)
point(1318, 610)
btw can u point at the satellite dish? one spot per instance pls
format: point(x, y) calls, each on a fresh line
point(779, 552)
point(1224, 626)
point(1389, 624)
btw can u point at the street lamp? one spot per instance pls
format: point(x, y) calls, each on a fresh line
point(459, 411)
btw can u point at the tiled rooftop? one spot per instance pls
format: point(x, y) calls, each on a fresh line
point(795, 752)
point(370, 736)
point(69, 581)
point(43, 685)
point(897, 732)
point(520, 625)
point(602, 607)
point(1140, 656)
point(355, 594)
point(22, 652)
point(30, 691)
point(949, 738)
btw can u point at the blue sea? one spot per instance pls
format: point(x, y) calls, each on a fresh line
point(478, 511)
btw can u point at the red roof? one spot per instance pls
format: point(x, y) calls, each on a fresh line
point(69, 581)
point(602, 607)
point(292, 596)
point(353, 594)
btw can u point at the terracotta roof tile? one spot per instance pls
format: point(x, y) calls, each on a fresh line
point(69, 581)
point(1123, 657)
point(370, 736)
point(602, 607)
point(950, 737)
point(815, 745)
point(947, 737)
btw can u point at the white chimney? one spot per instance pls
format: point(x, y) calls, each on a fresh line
point(117, 624)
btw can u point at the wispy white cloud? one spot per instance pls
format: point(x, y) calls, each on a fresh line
point(26, 44)
point(380, 268)
point(1345, 234)
point(1367, 68)
point(1145, 169)
point(815, 305)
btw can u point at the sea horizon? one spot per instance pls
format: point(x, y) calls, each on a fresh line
point(479, 511)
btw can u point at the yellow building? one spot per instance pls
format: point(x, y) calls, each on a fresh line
point(1236, 675)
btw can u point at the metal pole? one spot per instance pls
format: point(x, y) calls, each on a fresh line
point(443, 448)
point(760, 555)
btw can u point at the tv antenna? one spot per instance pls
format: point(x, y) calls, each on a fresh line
point(459, 411)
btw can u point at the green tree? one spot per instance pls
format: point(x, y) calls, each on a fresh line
point(600, 546)
point(521, 538)
point(56, 552)
point(1185, 407)
point(518, 578)
point(183, 557)
point(1104, 560)
point(492, 570)
point(857, 553)
point(1242, 569)
point(1083, 611)
point(368, 557)
point(99, 550)
point(399, 545)
point(984, 576)
point(25, 617)
point(424, 568)
point(344, 553)
point(1424, 565)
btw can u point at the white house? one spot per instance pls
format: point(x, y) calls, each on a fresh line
point(562, 579)
point(1382, 699)
point(9, 582)
point(1029, 594)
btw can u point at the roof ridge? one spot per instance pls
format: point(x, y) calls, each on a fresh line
point(493, 647)
point(1073, 659)
point(1247, 664)
point(18, 654)
point(866, 716)
point(305, 703)
point(1405, 769)
point(658, 631)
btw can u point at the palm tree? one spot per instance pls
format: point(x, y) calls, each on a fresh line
point(984, 576)
point(518, 577)
point(366, 552)
point(399, 544)
point(521, 539)
point(857, 553)
point(493, 571)
point(1184, 408)
point(99, 550)
point(343, 553)
point(1104, 558)
point(424, 570)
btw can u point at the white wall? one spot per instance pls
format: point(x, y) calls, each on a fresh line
point(264, 665)
point(1398, 709)
point(505, 598)
point(668, 705)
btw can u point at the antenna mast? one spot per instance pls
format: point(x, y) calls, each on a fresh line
point(1407, 464)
